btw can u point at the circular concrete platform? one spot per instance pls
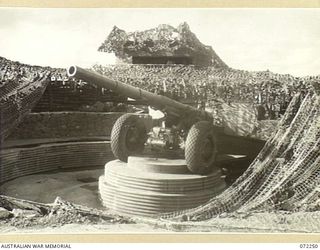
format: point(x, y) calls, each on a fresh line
point(149, 186)
point(158, 165)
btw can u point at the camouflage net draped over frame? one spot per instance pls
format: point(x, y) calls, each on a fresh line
point(163, 40)
point(284, 176)
point(21, 86)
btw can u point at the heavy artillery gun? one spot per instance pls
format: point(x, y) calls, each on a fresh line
point(187, 129)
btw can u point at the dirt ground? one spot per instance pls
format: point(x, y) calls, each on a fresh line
point(62, 215)
point(233, 223)
point(79, 187)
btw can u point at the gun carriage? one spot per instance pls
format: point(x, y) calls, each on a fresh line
point(187, 130)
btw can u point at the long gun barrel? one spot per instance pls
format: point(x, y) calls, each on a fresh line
point(186, 128)
point(171, 107)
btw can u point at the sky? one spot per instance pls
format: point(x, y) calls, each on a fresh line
point(284, 41)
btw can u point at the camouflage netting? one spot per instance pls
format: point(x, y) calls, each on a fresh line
point(164, 40)
point(285, 176)
point(21, 86)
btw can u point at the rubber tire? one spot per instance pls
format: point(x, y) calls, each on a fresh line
point(198, 134)
point(119, 134)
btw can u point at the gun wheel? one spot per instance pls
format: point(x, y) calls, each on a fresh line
point(200, 150)
point(128, 136)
